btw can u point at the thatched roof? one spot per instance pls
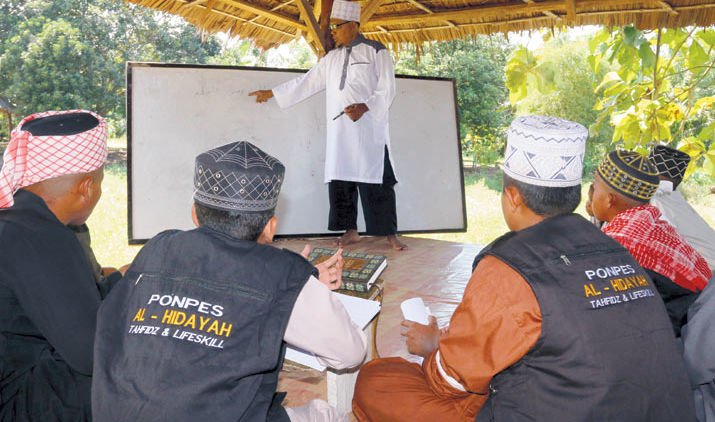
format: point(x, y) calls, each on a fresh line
point(273, 22)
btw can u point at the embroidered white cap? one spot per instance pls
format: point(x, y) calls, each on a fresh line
point(346, 10)
point(545, 151)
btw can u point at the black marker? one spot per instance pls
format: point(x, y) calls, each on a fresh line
point(341, 113)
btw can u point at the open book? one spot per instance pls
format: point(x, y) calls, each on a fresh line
point(361, 311)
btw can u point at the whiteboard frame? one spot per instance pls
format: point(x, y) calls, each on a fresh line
point(129, 96)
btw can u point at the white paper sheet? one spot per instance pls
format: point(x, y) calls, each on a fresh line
point(415, 310)
point(361, 311)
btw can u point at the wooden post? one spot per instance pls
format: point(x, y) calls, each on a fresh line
point(571, 11)
point(325, 9)
point(306, 12)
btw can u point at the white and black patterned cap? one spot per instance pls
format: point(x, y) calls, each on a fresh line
point(545, 151)
point(238, 177)
point(346, 10)
point(669, 161)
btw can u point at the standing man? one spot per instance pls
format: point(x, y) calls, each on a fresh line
point(359, 80)
point(51, 178)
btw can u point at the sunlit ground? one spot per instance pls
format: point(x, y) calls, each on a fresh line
point(108, 223)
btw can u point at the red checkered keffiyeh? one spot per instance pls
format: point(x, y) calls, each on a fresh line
point(657, 246)
point(31, 159)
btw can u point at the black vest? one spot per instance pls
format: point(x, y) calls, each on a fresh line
point(606, 350)
point(194, 332)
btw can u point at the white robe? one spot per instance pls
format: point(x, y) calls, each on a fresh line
point(675, 210)
point(354, 150)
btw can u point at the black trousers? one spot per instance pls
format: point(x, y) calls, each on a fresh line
point(378, 204)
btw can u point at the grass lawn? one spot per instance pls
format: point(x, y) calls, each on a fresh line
point(108, 223)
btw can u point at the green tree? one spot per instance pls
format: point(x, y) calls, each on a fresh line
point(293, 55)
point(653, 87)
point(660, 89)
point(53, 69)
point(556, 80)
point(72, 53)
point(477, 66)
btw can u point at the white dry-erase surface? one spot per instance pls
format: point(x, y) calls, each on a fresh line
point(176, 112)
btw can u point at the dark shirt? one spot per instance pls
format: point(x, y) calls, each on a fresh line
point(48, 305)
point(677, 299)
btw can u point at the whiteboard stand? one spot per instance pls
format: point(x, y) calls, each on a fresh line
point(176, 112)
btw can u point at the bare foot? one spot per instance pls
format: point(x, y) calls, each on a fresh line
point(348, 238)
point(395, 243)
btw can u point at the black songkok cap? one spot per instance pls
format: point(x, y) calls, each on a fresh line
point(238, 177)
point(631, 174)
point(670, 162)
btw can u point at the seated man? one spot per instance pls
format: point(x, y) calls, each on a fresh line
point(197, 329)
point(51, 178)
point(674, 209)
point(699, 352)
point(589, 209)
point(624, 183)
point(558, 321)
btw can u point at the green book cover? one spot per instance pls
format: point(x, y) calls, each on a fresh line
point(360, 270)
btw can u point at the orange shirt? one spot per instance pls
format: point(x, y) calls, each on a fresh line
point(495, 325)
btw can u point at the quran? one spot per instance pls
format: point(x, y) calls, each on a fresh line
point(360, 270)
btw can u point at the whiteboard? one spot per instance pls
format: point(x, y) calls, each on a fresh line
point(176, 112)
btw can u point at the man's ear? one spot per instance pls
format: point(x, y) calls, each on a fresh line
point(85, 188)
point(513, 197)
point(611, 200)
point(269, 231)
point(194, 218)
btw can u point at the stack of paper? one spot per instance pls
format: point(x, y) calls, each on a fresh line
point(361, 311)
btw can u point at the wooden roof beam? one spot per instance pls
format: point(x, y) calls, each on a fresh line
point(472, 13)
point(546, 12)
point(420, 6)
point(192, 3)
point(369, 10)
point(280, 6)
point(234, 17)
point(426, 9)
point(571, 11)
point(507, 21)
point(465, 25)
point(307, 13)
point(317, 8)
point(277, 17)
point(666, 6)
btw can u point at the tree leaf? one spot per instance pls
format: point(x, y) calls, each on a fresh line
point(707, 134)
point(697, 57)
point(647, 56)
point(692, 146)
point(708, 36)
point(704, 103)
point(630, 34)
point(709, 163)
point(597, 41)
point(673, 37)
point(608, 79)
point(691, 169)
